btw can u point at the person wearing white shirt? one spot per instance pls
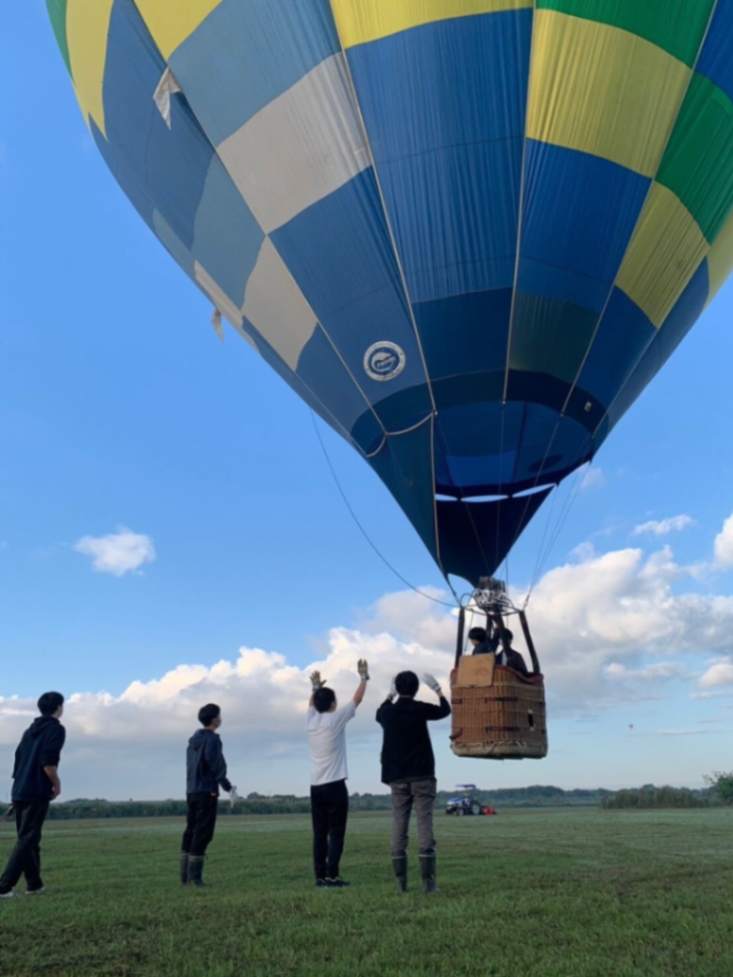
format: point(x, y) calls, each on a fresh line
point(326, 726)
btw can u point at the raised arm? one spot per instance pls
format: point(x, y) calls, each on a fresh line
point(363, 669)
point(443, 708)
point(316, 683)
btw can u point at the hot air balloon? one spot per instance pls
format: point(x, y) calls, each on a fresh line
point(467, 232)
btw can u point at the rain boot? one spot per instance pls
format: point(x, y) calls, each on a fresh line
point(195, 869)
point(399, 863)
point(427, 871)
point(184, 868)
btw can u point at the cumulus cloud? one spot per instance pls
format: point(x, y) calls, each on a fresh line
point(663, 527)
point(623, 608)
point(611, 628)
point(724, 545)
point(136, 738)
point(117, 553)
point(659, 672)
point(719, 673)
point(583, 552)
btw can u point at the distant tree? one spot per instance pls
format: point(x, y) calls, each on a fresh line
point(722, 785)
point(650, 796)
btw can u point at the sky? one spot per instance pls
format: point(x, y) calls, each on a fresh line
point(170, 532)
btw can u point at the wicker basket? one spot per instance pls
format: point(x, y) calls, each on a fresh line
point(497, 713)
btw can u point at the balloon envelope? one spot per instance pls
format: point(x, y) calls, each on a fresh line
point(466, 232)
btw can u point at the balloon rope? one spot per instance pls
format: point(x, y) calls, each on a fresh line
point(545, 552)
point(365, 534)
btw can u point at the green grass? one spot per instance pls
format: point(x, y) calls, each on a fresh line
point(561, 893)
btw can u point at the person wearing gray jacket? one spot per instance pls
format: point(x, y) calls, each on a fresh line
point(206, 771)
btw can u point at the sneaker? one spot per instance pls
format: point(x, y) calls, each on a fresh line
point(7, 895)
point(338, 883)
point(35, 892)
point(321, 884)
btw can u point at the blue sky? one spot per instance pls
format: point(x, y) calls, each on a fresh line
point(119, 407)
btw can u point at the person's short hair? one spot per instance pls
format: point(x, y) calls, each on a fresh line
point(477, 634)
point(407, 683)
point(323, 699)
point(507, 636)
point(49, 703)
point(208, 713)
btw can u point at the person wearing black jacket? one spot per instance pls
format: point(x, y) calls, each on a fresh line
point(408, 767)
point(35, 784)
point(206, 771)
point(483, 642)
point(500, 645)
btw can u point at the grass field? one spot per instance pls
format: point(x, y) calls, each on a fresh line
point(561, 893)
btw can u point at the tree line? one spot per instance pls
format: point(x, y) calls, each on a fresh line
point(261, 804)
point(718, 791)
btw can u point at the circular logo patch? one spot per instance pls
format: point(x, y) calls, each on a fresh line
point(384, 360)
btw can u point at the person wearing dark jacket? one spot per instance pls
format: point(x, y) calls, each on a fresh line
point(408, 768)
point(483, 642)
point(35, 784)
point(506, 655)
point(500, 645)
point(206, 771)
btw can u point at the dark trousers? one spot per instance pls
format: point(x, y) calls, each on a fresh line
point(419, 794)
point(200, 823)
point(329, 810)
point(25, 858)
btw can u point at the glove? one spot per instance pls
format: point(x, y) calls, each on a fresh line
point(432, 683)
point(362, 668)
point(393, 690)
point(316, 681)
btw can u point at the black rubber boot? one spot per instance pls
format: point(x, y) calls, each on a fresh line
point(195, 869)
point(184, 868)
point(427, 871)
point(399, 864)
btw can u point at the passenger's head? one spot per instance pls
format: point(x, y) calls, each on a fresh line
point(324, 700)
point(477, 635)
point(507, 637)
point(210, 716)
point(407, 684)
point(51, 704)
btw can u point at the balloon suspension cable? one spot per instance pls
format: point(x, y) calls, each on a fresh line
point(550, 539)
point(367, 537)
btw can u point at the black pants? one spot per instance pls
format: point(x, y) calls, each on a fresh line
point(200, 823)
point(25, 858)
point(329, 810)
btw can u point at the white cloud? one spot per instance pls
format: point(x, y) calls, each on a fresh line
point(611, 628)
point(118, 553)
point(720, 672)
point(663, 527)
point(724, 545)
point(659, 672)
point(592, 478)
point(132, 744)
point(616, 609)
point(583, 552)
